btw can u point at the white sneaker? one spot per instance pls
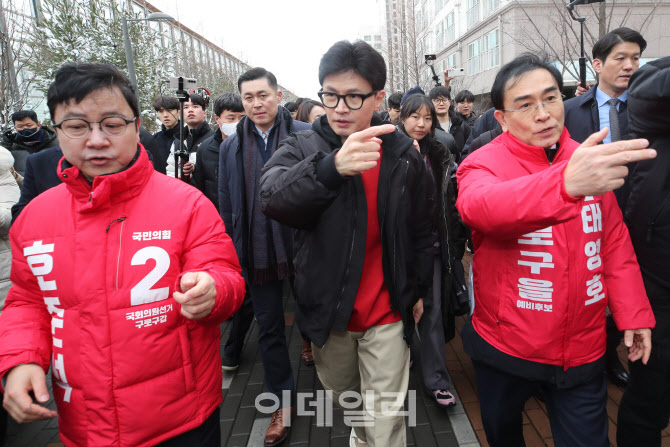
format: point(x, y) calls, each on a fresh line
point(354, 441)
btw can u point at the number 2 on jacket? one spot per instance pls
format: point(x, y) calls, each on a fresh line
point(143, 293)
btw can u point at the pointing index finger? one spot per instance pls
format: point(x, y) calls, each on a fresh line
point(374, 131)
point(623, 145)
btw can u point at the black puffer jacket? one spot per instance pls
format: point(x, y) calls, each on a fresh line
point(21, 151)
point(164, 140)
point(302, 188)
point(460, 131)
point(206, 173)
point(447, 224)
point(647, 210)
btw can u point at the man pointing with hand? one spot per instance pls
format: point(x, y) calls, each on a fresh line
point(360, 197)
point(551, 253)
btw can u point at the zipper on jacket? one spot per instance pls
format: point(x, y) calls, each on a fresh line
point(447, 178)
point(381, 232)
point(351, 255)
point(402, 194)
point(118, 256)
point(389, 188)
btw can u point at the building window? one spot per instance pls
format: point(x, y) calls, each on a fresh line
point(491, 50)
point(378, 38)
point(449, 28)
point(438, 5)
point(474, 57)
point(367, 38)
point(439, 35)
point(490, 6)
point(473, 12)
point(427, 43)
point(425, 14)
point(450, 61)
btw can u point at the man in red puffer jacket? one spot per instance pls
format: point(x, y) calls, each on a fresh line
point(551, 252)
point(121, 277)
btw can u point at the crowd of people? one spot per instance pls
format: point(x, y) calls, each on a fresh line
point(128, 250)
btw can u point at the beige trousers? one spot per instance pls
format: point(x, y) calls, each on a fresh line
point(374, 363)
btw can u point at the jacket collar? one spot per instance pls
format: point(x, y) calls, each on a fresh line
point(588, 97)
point(215, 144)
point(282, 115)
point(536, 154)
point(199, 131)
point(110, 188)
point(174, 130)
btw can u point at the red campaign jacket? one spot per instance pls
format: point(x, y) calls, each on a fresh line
point(93, 273)
point(546, 265)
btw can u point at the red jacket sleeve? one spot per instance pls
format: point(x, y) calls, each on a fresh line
point(628, 300)
point(25, 323)
point(509, 208)
point(209, 249)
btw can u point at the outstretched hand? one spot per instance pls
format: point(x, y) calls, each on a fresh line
point(595, 169)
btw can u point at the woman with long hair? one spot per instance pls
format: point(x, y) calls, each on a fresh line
point(418, 120)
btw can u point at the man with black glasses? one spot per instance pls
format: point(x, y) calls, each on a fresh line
point(121, 293)
point(360, 198)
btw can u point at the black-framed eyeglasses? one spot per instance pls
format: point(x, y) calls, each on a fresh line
point(114, 126)
point(354, 101)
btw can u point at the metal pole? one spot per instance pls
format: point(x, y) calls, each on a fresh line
point(582, 59)
point(129, 56)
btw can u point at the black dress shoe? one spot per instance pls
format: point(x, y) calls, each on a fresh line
point(617, 373)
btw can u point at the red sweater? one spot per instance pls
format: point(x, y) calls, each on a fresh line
point(373, 303)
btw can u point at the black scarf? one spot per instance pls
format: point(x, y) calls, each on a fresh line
point(268, 257)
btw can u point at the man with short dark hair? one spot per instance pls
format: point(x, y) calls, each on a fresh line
point(552, 252)
point(465, 100)
point(616, 56)
point(228, 111)
point(449, 119)
point(29, 137)
point(195, 117)
point(360, 199)
point(121, 293)
point(167, 109)
point(394, 107)
point(265, 247)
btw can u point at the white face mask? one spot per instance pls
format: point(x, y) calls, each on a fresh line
point(228, 128)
